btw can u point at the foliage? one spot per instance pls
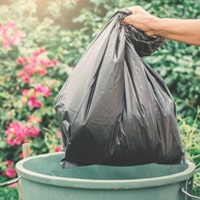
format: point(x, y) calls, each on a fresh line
point(190, 135)
point(40, 43)
point(32, 71)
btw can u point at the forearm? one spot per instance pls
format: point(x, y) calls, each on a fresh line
point(181, 30)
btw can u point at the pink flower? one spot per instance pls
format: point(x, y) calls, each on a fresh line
point(59, 134)
point(34, 103)
point(11, 24)
point(16, 134)
point(10, 173)
point(30, 69)
point(26, 132)
point(38, 87)
point(10, 34)
point(41, 71)
point(25, 76)
point(18, 36)
point(5, 45)
point(34, 60)
point(22, 60)
point(21, 155)
point(9, 163)
point(32, 94)
point(57, 149)
point(13, 186)
point(25, 92)
point(43, 90)
point(35, 65)
point(34, 132)
point(19, 140)
point(45, 62)
point(55, 63)
point(10, 142)
point(39, 52)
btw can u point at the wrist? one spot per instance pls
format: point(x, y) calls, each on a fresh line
point(152, 25)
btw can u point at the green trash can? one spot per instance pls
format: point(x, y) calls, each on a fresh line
point(42, 178)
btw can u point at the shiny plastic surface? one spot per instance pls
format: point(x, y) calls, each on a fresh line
point(114, 108)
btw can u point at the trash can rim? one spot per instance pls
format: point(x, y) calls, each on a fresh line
point(101, 184)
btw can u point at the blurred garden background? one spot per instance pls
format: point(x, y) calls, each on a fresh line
point(40, 43)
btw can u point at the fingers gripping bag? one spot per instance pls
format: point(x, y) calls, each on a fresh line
point(114, 109)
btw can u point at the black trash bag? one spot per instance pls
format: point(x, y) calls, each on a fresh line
point(114, 109)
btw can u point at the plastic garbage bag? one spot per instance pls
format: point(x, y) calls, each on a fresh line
point(115, 109)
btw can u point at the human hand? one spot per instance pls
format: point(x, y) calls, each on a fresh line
point(141, 20)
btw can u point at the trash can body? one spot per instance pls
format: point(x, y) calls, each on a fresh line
point(43, 178)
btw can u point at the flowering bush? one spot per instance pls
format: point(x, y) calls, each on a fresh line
point(10, 171)
point(16, 133)
point(35, 65)
point(35, 55)
point(31, 75)
point(10, 34)
point(25, 126)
